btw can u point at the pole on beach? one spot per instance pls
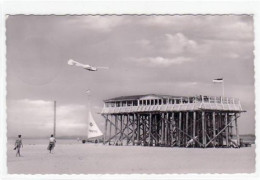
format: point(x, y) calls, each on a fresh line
point(88, 109)
point(54, 120)
point(223, 90)
point(220, 80)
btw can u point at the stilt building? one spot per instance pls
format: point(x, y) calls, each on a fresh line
point(173, 121)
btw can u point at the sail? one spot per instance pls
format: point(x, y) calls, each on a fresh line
point(93, 130)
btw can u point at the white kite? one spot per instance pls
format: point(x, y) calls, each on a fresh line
point(85, 66)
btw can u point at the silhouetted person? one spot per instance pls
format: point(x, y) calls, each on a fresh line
point(52, 142)
point(18, 145)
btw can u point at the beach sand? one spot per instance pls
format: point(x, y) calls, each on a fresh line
point(72, 157)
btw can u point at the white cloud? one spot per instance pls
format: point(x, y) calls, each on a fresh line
point(145, 43)
point(161, 61)
point(235, 27)
point(178, 43)
point(188, 84)
point(232, 55)
point(159, 20)
point(100, 23)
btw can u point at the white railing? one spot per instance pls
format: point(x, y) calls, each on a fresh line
point(197, 99)
point(204, 102)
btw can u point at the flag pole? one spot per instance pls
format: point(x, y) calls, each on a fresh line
point(54, 120)
point(220, 80)
point(88, 110)
point(223, 91)
point(88, 100)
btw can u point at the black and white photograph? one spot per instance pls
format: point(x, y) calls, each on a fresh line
point(130, 94)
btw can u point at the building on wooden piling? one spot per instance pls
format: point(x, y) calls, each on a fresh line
point(181, 121)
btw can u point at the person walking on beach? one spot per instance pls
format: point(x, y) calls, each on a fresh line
point(18, 145)
point(52, 142)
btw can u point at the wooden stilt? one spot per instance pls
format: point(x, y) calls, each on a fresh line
point(138, 129)
point(226, 131)
point(134, 130)
point(127, 128)
point(194, 126)
point(203, 130)
point(231, 127)
point(186, 127)
point(121, 129)
point(116, 126)
point(105, 134)
point(150, 129)
point(166, 128)
point(173, 131)
point(142, 129)
point(162, 130)
point(220, 141)
point(179, 134)
point(158, 128)
point(110, 129)
point(214, 127)
point(237, 133)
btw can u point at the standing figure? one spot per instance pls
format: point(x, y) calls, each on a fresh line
point(52, 142)
point(18, 145)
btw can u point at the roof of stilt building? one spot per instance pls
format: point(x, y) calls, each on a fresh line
point(136, 97)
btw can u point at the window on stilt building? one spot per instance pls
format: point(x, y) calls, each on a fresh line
point(164, 101)
point(156, 101)
point(160, 101)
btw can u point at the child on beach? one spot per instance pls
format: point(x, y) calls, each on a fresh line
point(52, 142)
point(18, 145)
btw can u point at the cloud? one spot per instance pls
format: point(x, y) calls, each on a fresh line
point(232, 27)
point(178, 43)
point(99, 23)
point(145, 43)
point(159, 21)
point(161, 61)
point(34, 118)
point(167, 43)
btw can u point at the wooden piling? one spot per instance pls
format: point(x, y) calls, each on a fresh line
point(203, 129)
point(194, 126)
point(186, 127)
point(237, 133)
point(138, 129)
point(105, 134)
point(179, 133)
point(214, 127)
point(150, 129)
point(162, 129)
point(127, 128)
point(110, 129)
point(134, 130)
point(226, 130)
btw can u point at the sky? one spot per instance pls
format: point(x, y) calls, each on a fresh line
point(173, 55)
